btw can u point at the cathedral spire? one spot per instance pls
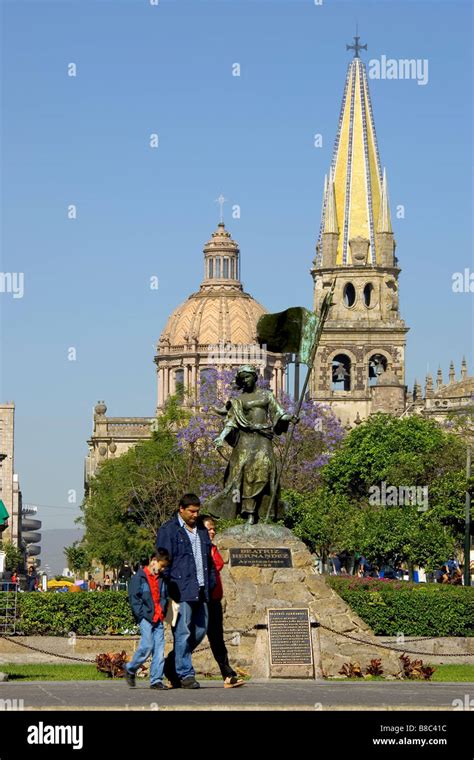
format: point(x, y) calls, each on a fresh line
point(355, 254)
point(360, 192)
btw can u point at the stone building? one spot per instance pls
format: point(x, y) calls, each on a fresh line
point(113, 436)
point(446, 401)
point(10, 493)
point(215, 328)
point(360, 365)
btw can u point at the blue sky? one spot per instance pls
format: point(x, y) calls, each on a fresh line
point(167, 69)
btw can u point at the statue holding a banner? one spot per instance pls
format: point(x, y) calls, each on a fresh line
point(252, 479)
point(251, 421)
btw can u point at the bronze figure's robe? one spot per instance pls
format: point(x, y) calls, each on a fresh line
point(250, 478)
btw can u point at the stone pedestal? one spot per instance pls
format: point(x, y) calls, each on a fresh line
point(250, 591)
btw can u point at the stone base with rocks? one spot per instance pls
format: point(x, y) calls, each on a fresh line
point(250, 591)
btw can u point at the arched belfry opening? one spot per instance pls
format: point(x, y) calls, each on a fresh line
point(349, 295)
point(377, 367)
point(368, 294)
point(341, 373)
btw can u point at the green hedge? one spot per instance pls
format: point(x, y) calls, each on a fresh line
point(84, 613)
point(414, 609)
point(389, 607)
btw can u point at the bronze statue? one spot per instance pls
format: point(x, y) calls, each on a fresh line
point(250, 479)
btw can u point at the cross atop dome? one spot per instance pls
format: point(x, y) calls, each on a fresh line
point(221, 200)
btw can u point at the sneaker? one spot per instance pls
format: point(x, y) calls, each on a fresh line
point(130, 678)
point(189, 683)
point(158, 685)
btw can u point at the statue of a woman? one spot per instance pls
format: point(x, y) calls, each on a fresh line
point(251, 421)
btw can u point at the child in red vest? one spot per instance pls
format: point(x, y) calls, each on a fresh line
point(148, 597)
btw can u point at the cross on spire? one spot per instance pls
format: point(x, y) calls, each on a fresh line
point(356, 47)
point(221, 200)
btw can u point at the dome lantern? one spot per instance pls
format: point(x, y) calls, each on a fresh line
point(221, 260)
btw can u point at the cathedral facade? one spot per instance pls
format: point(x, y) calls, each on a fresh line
point(360, 363)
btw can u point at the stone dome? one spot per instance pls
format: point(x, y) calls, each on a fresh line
point(213, 317)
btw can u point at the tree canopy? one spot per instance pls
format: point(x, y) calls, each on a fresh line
point(394, 491)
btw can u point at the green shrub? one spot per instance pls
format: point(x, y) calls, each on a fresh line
point(84, 613)
point(414, 609)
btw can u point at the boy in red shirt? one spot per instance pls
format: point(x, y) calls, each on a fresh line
point(148, 597)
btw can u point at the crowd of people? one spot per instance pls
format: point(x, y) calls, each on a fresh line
point(345, 563)
point(15, 581)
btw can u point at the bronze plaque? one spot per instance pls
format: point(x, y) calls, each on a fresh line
point(289, 632)
point(260, 558)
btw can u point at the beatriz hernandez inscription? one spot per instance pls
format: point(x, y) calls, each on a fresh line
point(252, 557)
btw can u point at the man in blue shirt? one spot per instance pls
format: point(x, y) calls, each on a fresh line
point(191, 578)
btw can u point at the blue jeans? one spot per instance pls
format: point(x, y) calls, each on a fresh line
point(189, 631)
point(152, 642)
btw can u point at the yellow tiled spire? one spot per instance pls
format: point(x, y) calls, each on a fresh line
point(356, 200)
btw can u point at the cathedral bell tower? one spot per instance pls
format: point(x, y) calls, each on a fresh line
point(360, 364)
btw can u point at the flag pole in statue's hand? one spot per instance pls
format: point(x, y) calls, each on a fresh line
point(307, 355)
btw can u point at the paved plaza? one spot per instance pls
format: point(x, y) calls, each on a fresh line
point(255, 695)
